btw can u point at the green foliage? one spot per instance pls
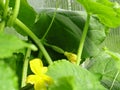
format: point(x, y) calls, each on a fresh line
point(7, 77)
point(104, 65)
point(28, 18)
point(26, 14)
point(67, 35)
point(116, 57)
point(68, 76)
point(8, 47)
point(55, 32)
point(107, 12)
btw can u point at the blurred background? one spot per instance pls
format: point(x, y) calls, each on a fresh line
point(113, 39)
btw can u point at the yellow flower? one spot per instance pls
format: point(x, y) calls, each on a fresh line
point(39, 79)
point(71, 57)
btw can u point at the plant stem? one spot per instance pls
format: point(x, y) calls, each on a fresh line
point(2, 24)
point(25, 67)
point(80, 49)
point(35, 38)
point(49, 26)
point(6, 9)
point(114, 79)
point(15, 13)
point(50, 23)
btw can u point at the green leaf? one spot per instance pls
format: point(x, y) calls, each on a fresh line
point(105, 66)
point(68, 76)
point(112, 41)
point(8, 79)
point(15, 62)
point(116, 57)
point(107, 12)
point(67, 35)
point(64, 83)
point(9, 44)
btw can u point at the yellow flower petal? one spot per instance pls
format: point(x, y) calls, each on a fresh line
point(71, 57)
point(48, 80)
point(40, 85)
point(40, 80)
point(44, 70)
point(32, 79)
point(36, 66)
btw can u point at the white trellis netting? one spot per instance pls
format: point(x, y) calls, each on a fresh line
point(63, 4)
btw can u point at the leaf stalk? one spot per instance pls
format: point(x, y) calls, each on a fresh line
point(25, 67)
point(82, 41)
point(35, 38)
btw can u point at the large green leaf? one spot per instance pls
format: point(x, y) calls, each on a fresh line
point(107, 12)
point(112, 41)
point(105, 66)
point(67, 29)
point(68, 76)
point(9, 44)
point(15, 62)
point(8, 79)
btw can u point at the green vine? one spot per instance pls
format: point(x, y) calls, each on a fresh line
point(15, 13)
point(80, 49)
point(2, 26)
point(118, 72)
point(6, 8)
point(5, 13)
point(25, 67)
point(35, 38)
point(49, 25)
point(51, 22)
